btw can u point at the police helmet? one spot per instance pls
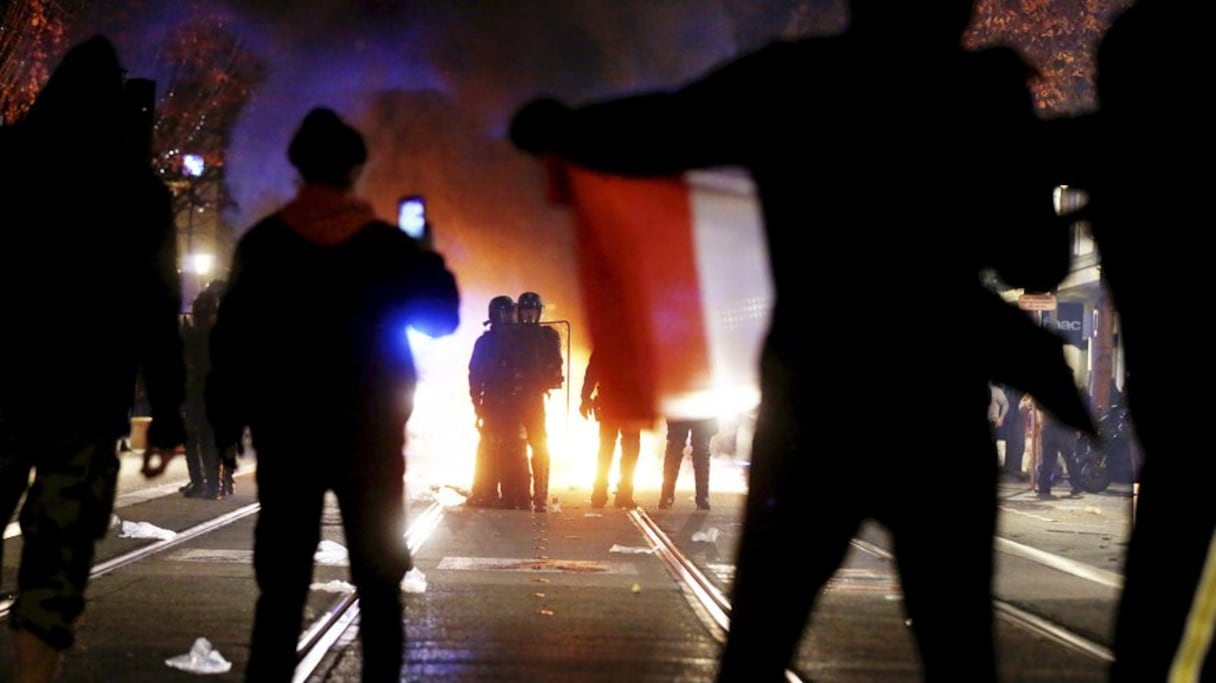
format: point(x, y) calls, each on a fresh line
point(501, 310)
point(530, 307)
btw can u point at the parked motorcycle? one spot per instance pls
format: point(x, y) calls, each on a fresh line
point(1114, 458)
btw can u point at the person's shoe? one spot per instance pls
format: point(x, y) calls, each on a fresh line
point(227, 488)
point(185, 487)
point(1046, 495)
point(624, 502)
point(540, 506)
point(212, 492)
point(599, 499)
point(702, 503)
point(194, 490)
point(665, 502)
point(1076, 493)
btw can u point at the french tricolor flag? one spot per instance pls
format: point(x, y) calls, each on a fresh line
point(674, 275)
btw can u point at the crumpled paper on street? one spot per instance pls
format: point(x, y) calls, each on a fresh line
point(414, 581)
point(201, 659)
point(145, 530)
point(333, 587)
point(331, 553)
point(634, 550)
point(710, 535)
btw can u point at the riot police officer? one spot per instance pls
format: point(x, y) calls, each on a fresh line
point(500, 477)
point(541, 347)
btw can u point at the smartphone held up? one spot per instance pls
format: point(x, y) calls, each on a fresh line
point(411, 216)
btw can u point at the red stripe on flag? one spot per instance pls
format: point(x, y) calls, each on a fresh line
point(638, 273)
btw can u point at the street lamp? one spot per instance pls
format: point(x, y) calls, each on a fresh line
point(199, 264)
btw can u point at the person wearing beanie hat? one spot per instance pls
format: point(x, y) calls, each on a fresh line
point(325, 150)
point(308, 351)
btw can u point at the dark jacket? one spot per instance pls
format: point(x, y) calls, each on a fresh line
point(89, 290)
point(497, 373)
point(312, 328)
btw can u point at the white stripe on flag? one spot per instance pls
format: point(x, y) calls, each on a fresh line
point(735, 287)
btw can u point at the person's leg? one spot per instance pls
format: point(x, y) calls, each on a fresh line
point(1015, 443)
point(66, 511)
point(373, 519)
point(512, 454)
point(14, 478)
point(1169, 560)
point(677, 433)
point(702, 432)
point(1048, 463)
point(35, 661)
point(228, 468)
point(538, 440)
point(194, 467)
point(603, 463)
point(631, 441)
point(286, 536)
point(484, 492)
point(209, 458)
point(776, 580)
point(1072, 469)
point(950, 613)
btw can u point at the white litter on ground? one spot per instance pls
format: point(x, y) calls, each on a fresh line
point(201, 659)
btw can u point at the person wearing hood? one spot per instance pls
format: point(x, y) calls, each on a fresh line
point(309, 351)
point(102, 310)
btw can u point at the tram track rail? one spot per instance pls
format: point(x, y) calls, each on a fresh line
point(319, 636)
point(713, 606)
point(706, 594)
point(1026, 619)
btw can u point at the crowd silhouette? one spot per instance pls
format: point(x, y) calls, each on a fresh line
point(888, 146)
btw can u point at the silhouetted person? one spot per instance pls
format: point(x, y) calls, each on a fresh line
point(1013, 430)
point(1055, 442)
point(892, 148)
point(598, 398)
point(310, 351)
point(101, 306)
point(1148, 171)
point(203, 461)
point(497, 388)
point(694, 435)
point(541, 349)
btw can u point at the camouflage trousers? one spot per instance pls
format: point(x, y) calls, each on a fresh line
point(66, 510)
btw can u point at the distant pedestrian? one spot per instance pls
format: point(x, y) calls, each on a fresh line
point(310, 352)
point(542, 349)
point(100, 309)
point(998, 407)
point(694, 436)
point(203, 461)
point(1012, 431)
point(596, 399)
point(1054, 442)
